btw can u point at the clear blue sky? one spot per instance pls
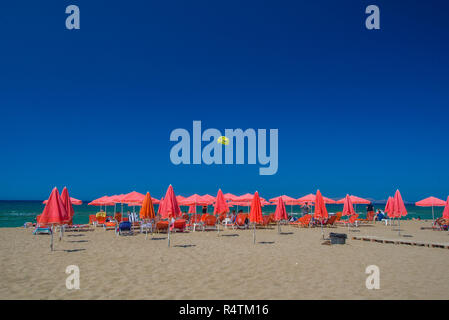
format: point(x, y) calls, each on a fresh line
point(360, 112)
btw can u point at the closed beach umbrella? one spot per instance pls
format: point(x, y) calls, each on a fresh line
point(255, 215)
point(348, 209)
point(431, 202)
point(66, 201)
point(287, 200)
point(160, 206)
point(388, 207)
point(398, 209)
point(446, 209)
point(220, 205)
point(355, 201)
point(74, 201)
point(54, 213)
point(320, 210)
point(170, 208)
point(147, 209)
point(280, 213)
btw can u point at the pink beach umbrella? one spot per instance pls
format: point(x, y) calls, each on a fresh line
point(446, 209)
point(388, 207)
point(54, 213)
point(431, 202)
point(348, 209)
point(255, 215)
point(398, 209)
point(280, 213)
point(170, 208)
point(220, 207)
point(74, 201)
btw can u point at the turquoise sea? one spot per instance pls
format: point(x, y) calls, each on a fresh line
point(16, 213)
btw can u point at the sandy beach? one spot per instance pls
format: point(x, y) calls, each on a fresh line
point(203, 265)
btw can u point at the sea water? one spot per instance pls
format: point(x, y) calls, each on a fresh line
point(16, 213)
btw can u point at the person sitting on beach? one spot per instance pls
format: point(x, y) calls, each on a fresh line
point(379, 215)
point(233, 216)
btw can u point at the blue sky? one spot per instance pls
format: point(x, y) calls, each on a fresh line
point(360, 112)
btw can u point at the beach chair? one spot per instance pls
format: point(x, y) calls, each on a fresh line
point(265, 221)
point(41, 228)
point(302, 222)
point(111, 225)
point(179, 225)
point(352, 221)
point(125, 228)
point(92, 219)
point(330, 222)
point(118, 217)
point(210, 223)
point(161, 226)
point(240, 222)
point(100, 221)
point(338, 215)
point(369, 217)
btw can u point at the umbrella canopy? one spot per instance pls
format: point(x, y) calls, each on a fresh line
point(320, 207)
point(230, 197)
point(194, 199)
point(280, 213)
point(74, 201)
point(66, 201)
point(286, 199)
point(147, 210)
point(399, 209)
point(118, 198)
point(248, 197)
point(220, 204)
point(355, 200)
point(170, 207)
point(310, 198)
point(54, 211)
point(255, 215)
point(348, 208)
point(210, 199)
point(389, 208)
point(431, 202)
point(103, 201)
point(133, 197)
point(446, 209)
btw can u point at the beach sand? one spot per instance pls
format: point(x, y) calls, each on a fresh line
point(203, 265)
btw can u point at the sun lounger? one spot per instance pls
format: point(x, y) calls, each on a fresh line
point(210, 223)
point(162, 226)
point(42, 230)
point(179, 225)
point(125, 227)
point(92, 219)
point(302, 222)
point(330, 222)
point(111, 225)
point(352, 221)
point(264, 224)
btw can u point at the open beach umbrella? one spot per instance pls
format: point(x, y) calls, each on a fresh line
point(230, 197)
point(398, 208)
point(446, 209)
point(280, 213)
point(103, 201)
point(355, 201)
point(255, 215)
point(133, 197)
point(320, 210)
point(193, 201)
point(431, 202)
point(310, 199)
point(54, 213)
point(170, 208)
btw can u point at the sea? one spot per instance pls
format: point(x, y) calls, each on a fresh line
point(17, 213)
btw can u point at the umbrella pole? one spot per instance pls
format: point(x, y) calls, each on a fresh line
point(322, 231)
point(169, 232)
point(279, 227)
point(433, 216)
point(254, 233)
point(51, 241)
